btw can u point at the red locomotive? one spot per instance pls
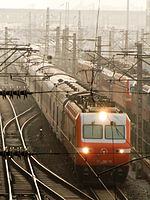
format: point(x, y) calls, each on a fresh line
point(119, 87)
point(94, 132)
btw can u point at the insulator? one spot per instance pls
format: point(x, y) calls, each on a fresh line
point(18, 93)
point(4, 94)
point(25, 94)
point(11, 94)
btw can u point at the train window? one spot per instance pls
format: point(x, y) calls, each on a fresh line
point(115, 132)
point(92, 131)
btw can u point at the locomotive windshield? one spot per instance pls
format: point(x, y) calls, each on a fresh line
point(115, 132)
point(92, 131)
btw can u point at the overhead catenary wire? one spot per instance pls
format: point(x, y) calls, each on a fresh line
point(97, 20)
point(24, 75)
point(20, 152)
point(26, 92)
point(125, 52)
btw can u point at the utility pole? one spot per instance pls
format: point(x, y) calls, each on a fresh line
point(110, 44)
point(139, 123)
point(47, 34)
point(97, 20)
point(67, 15)
point(137, 36)
point(63, 55)
point(67, 60)
point(142, 35)
point(79, 33)
point(111, 41)
point(126, 40)
point(57, 51)
point(29, 31)
point(139, 117)
point(74, 55)
point(60, 21)
point(99, 51)
point(148, 20)
point(127, 27)
point(5, 57)
point(99, 46)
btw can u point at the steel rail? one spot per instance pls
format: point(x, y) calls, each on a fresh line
point(30, 175)
point(62, 180)
point(25, 148)
point(14, 119)
point(6, 162)
point(52, 173)
point(120, 194)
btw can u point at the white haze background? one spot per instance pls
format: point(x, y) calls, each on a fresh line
point(74, 4)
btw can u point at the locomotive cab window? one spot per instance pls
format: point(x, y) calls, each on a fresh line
point(91, 131)
point(115, 132)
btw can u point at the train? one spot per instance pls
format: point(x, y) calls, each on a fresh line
point(95, 133)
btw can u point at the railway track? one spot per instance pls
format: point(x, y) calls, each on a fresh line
point(11, 137)
point(108, 194)
point(140, 164)
point(26, 177)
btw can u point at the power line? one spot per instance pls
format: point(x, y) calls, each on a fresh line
point(24, 93)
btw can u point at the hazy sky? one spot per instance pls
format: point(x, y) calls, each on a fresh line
point(74, 4)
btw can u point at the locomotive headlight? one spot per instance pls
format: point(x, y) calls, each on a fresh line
point(121, 150)
point(102, 116)
point(85, 150)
